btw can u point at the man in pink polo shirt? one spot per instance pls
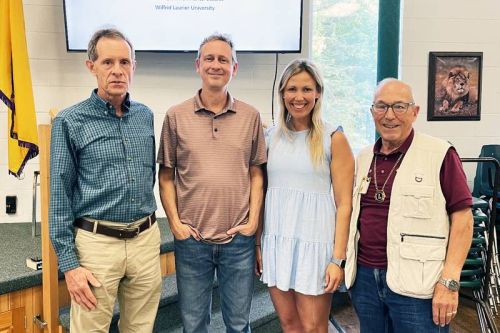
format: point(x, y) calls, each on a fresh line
point(411, 226)
point(211, 187)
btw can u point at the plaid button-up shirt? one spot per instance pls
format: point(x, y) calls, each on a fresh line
point(101, 166)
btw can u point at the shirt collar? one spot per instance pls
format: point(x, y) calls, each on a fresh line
point(198, 104)
point(401, 150)
point(103, 104)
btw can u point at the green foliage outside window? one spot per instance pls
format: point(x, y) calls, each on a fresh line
point(344, 46)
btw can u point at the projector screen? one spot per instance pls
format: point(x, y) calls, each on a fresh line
point(181, 25)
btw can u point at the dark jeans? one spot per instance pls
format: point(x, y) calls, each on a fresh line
point(380, 310)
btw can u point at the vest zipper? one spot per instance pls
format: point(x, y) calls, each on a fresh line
point(422, 236)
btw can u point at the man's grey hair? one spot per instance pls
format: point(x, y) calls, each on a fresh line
point(392, 80)
point(106, 33)
point(223, 38)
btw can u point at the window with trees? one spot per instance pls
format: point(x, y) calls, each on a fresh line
point(344, 46)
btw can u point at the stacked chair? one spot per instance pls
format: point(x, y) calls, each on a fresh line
point(480, 277)
point(485, 176)
point(473, 277)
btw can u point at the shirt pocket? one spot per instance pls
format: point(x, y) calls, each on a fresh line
point(105, 148)
point(417, 201)
point(143, 149)
point(421, 265)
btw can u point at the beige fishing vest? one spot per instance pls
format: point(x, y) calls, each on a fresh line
point(418, 224)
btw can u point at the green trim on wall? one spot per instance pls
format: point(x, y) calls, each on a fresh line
point(389, 12)
point(388, 39)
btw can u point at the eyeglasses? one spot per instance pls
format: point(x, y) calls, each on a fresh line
point(398, 108)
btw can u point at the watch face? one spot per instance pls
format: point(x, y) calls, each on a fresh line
point(339, 262)
point(454, 285)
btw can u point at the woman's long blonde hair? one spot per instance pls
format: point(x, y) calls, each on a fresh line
point(315, 136)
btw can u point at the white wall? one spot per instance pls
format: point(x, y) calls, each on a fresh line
point(60, 79)
point(451, 25)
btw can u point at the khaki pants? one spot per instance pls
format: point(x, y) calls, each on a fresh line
point(127, 268)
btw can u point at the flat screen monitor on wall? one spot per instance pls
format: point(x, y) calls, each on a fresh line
point(180, 25)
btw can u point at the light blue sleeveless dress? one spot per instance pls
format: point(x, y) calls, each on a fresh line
point(299, 218)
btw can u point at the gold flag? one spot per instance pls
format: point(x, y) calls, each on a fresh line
point(15, 87)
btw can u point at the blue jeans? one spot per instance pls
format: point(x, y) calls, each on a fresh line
point(195, 264)
point(380, 310)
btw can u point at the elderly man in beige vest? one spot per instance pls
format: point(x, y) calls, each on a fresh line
point(411, 226)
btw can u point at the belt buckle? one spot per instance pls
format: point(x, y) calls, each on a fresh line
point(125, 233)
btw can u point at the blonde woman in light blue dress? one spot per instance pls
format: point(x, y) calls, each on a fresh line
point(302, 245)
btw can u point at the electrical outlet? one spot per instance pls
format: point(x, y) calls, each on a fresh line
point(11, 204)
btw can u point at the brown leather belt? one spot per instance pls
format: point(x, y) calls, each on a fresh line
point(87, 225)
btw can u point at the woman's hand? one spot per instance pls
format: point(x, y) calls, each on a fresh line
point(258, 260)
point(333, 278)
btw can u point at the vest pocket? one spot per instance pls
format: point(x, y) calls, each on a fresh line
point(417, 201)
point(420, 265)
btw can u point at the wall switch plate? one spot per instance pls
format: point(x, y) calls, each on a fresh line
point(11, 204)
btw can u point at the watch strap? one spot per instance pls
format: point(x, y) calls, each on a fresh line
point(451, 284)
point(338, 262)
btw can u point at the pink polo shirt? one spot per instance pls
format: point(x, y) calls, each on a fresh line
point(212, 154)
point(373, 216)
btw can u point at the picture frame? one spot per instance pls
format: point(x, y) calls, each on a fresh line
point(454, 90)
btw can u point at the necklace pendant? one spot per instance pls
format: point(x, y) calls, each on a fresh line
point(379, 196)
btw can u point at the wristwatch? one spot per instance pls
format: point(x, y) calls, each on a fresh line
point(451, 284)
point(338, 262)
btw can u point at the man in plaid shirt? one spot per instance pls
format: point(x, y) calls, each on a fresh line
point(101, 216)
